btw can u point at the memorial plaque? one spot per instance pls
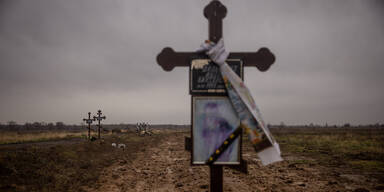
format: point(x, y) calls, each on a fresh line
point(205, 78)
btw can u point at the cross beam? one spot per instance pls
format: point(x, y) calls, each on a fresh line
point(89, 122)
point(99, 118)
point(215, 13)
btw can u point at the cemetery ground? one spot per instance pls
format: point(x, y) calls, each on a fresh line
point(321, 159)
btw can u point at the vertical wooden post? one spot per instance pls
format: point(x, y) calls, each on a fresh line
point(216, 177)
point(215, 12)
point(187, 144)
point(89, 131)
point(98, 132)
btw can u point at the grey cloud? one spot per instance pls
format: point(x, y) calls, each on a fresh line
point(64, 57)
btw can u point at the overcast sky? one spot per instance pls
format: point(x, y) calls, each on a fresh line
point(60, 59)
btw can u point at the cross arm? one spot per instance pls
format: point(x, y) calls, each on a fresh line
point(262, 59)
point(169, 59)
point(98, 118)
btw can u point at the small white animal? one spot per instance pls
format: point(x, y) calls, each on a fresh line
point(121, 145)
point(113, 144)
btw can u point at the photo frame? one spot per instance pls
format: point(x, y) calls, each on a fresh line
point(213, 120)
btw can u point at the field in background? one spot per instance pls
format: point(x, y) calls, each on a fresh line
point(361, 149)
point(12, 137)
point(39, 132)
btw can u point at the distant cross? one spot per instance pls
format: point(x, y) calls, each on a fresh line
point(98, 118)
point(89, 122)
point(169, 59)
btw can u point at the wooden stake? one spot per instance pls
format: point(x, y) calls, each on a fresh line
point(216, 174)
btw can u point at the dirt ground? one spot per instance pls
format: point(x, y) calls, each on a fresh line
point(64, 165)
point(165, 166)
point(314, 160)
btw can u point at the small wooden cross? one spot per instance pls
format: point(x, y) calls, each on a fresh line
point(99, 118)
point(89, 122)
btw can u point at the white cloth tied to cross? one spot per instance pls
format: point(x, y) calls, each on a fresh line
point(249, 114)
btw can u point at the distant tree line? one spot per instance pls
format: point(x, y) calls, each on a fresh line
point(326, 125)
point(37, 126)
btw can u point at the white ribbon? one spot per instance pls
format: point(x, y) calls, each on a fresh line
point(250, 117)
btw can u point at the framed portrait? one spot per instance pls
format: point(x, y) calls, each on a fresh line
point(213, 120)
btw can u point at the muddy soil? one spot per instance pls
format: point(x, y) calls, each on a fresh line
point(63, 165)
point(166, 167)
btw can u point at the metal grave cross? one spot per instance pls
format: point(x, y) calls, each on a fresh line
point(168, 59)
point(89, 122)
point(98, 118)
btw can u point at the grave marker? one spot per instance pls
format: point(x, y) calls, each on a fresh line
point(89, 122)
point(205, 76)
point(98, 118)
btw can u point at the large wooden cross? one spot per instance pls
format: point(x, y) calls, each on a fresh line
point(215, 13)
point(99, 118)
point(169, 59)
point(89, 122)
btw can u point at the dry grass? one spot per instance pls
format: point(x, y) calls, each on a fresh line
point(359, 149)
point(339, 143)
point(15, 137)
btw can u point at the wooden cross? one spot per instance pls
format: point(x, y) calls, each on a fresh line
point(215, 13)
point(99, 118)
point(169, 59)
point(89, 122)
